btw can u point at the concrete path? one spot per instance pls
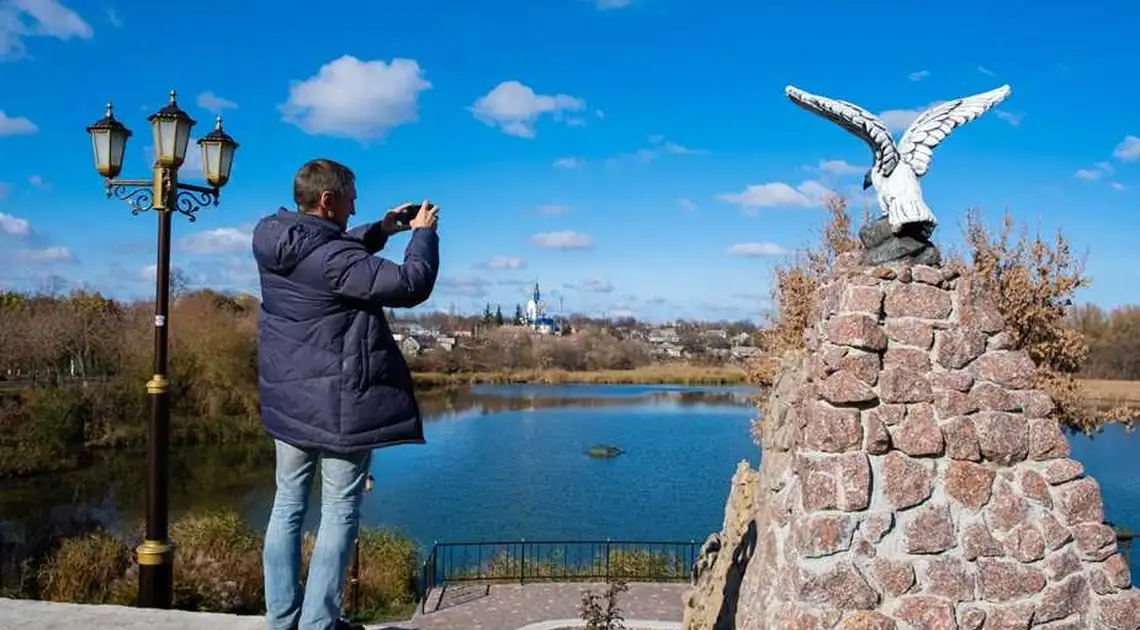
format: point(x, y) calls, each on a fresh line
point(497, 607)
point(512, 606)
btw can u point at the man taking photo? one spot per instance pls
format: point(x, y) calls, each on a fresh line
point(333, 383)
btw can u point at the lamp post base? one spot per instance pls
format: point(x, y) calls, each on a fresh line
point(156, 574)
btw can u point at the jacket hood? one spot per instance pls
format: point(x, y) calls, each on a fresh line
point(283, 239)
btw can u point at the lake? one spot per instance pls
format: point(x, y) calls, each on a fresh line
point(509, 462)
point(501, 463)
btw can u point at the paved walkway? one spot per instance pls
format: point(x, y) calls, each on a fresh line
point(511, 606)
point(498, 607)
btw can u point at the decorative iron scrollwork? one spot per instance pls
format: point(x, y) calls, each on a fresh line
point(139, 197)
point(190, 200)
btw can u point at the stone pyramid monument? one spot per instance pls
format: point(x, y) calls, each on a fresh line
point(910, 478)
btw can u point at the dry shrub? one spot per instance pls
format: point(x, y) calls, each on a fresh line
point(794, 291)
point(218, 568)
point(389, 573)
point(214, 346)
point(1033, 281)
point(88, 569)
point(218, 564)
point(1113, 338)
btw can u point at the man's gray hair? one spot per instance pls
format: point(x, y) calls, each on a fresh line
point(320, 176)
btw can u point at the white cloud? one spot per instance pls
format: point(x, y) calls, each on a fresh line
point(1127, 150)
point(1014, 119)
point(687, 205)
point(564, 240)
point(114, 18)
point(17, 126)
point(568, 162)
point(840, 167)
point(219, 241)
point(918, 76)
point(467, 286)
point(17, 236)
point(55, 254)
point(20, 19)
point(808, 194)
point(515, 108)
point(552, 210)
point(756, 250)
point(661, 145)
point(14, 226)
point(360, 100)
point(592, 285)
point(5, 190)
point(504, 263)
point(604, 5)
point(658, 146)
point(213, 103)
point(898, 119)
point(986, 71)
point(1097, 172)
point(39, 182)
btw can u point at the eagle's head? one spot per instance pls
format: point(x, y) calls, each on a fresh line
point(867, 181)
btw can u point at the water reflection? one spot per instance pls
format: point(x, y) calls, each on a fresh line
point(112, 491)
point(491, 399)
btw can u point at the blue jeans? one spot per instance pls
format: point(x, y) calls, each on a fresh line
point(318, 605)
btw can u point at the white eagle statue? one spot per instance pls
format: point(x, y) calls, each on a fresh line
point(897, 168)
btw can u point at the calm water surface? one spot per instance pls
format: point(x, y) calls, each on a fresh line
point(501, 463)
point(509, 462)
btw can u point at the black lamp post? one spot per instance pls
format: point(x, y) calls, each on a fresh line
point(164, 194)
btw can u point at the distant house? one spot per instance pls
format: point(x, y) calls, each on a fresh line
point(717, 332)
point(444, 342)
point(671, 350)
point(664, 335)
point(745, 352)
point(743, 339)
point(410, 346)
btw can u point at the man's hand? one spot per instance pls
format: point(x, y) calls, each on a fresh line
point(427, 217)
point(397, 219)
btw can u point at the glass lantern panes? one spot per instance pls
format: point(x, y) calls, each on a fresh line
point(217, 155)
point(171, 127)
point(108, 141)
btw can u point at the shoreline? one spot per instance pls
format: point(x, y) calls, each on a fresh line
point(658, 374)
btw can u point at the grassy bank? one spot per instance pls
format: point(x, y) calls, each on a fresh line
point(218, 568)
point(47, 429)
point(660, 374)
point(1112, 392)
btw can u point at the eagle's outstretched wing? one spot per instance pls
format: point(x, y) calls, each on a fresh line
point(855, 120)
point(933, 125)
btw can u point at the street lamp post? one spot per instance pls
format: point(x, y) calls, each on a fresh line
point(164, 194)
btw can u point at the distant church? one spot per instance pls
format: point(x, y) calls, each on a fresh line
point(536, 317)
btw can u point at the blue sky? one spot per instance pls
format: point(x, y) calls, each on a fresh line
point(603, 147)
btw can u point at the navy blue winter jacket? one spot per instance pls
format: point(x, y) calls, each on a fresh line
point(331, 376)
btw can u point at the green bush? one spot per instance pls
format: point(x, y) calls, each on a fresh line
point(217, 568)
